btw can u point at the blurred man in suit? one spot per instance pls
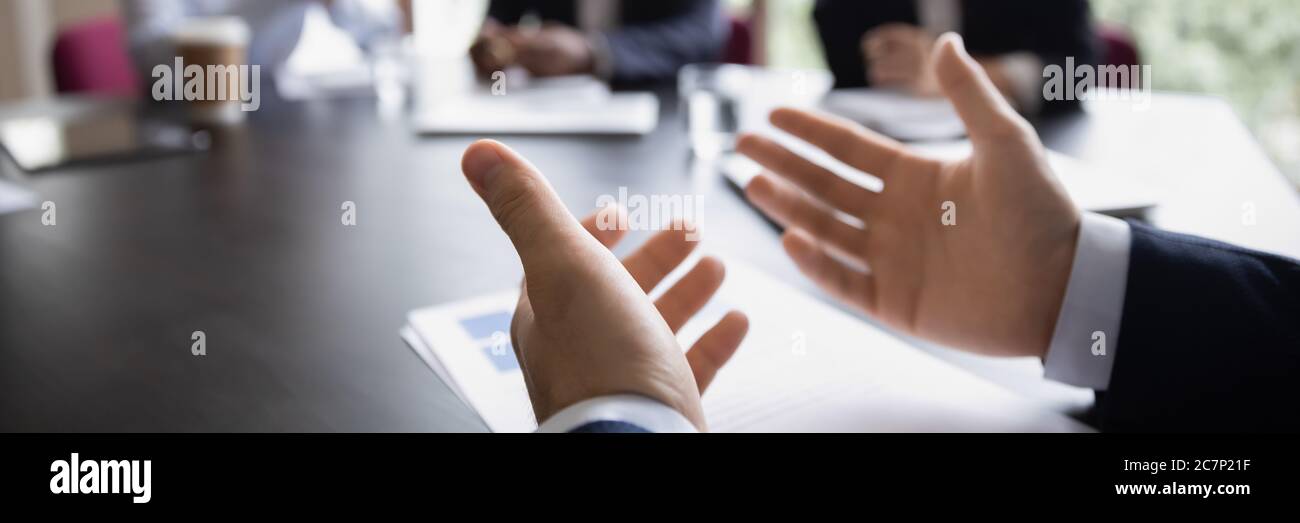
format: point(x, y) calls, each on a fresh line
point(1175, 333)
point(887, 43)
point(618, 40)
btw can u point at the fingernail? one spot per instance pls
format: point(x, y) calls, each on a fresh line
point(482, 163)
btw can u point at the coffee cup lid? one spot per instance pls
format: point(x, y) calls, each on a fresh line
point(215, 30)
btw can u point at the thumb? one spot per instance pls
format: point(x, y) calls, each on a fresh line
point(964, 82)
point(520, 199)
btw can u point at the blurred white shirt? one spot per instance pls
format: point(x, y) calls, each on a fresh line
point(275, 24)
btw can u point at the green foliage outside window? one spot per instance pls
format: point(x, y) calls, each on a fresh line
point(1247, 51)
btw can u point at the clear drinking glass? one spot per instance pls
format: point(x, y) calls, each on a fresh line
point(711, 95)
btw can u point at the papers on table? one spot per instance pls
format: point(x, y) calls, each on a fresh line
point(1091, 189)
point(805, 366)
point(325, 63)
point(14, 198)
point(467, 344)
point(898, 115)
point(567, 105)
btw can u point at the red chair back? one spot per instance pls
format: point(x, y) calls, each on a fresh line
point(740, 44)
point(1118, 48)
point(92, 57)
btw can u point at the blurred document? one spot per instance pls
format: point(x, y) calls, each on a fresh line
point(896, 114)
point(326, 63)
point(1092, 189)
point(14, 198)
point(805, 366)
point(467, 344)
point(567, 105)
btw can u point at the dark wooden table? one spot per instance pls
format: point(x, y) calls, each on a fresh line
point(301, 312)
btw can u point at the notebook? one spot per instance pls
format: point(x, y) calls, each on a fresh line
point(896, 114)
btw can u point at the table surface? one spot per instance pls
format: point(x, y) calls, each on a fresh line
point(301, 313)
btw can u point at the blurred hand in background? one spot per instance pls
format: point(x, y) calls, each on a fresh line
point(551, 50)
point(899, 57)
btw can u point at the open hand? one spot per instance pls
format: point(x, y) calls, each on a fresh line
point(584, 326)
point(992, 281)
point(553, 50)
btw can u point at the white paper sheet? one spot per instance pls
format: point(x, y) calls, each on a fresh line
point(898, 115)
point(805, 366)
point(14, 198)
point(465, 342)
point(1091, 189)
point(565, 105)
point(623, 113)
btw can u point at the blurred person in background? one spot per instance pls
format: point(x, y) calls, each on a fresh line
point(617, 40)
point(887, 43)
point(275, 24)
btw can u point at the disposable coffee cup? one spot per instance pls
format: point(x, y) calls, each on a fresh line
point(210, 42)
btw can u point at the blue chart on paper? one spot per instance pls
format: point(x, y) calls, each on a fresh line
point(491, 332)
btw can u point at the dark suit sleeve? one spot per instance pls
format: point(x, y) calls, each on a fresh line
point(658, 38)
point(507, 12)
point(1209, 340)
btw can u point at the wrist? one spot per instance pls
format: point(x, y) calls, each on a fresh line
point(1087, 330)
point(557, 401)
point(1058, 265)
point(555, 387)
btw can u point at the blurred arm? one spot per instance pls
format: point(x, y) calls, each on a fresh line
point(149, 24)
point(694, 32)
point(367, 20)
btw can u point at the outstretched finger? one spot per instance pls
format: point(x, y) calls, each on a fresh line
point(716, 347)
point(691, 293)
point(814, 179)
point(856, 146)
point(843, 282)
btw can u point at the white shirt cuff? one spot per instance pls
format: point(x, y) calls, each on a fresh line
point(637, 410)
point(1084, 343)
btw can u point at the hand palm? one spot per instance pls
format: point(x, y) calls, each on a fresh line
point(614, 315)
point(942, 270)
point(989, 279)
point(584, 326)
